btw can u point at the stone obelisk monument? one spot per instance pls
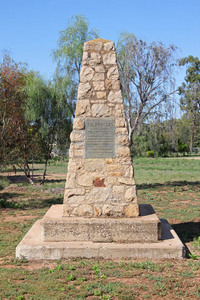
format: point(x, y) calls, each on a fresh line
point(100, 215)
point(100, 174)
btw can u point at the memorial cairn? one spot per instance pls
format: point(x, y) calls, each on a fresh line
point(100, 215)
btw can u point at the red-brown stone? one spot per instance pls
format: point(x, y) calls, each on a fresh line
point(99, 182)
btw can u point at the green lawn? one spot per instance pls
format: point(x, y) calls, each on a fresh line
point(166, 170)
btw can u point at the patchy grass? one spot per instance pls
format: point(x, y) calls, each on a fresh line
point(114, 280)
point(196, 243)
point(4, 182)
point(172, 186)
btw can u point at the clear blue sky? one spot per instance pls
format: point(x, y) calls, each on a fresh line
point(30, 29)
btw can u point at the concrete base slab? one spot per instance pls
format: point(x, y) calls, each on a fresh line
point(56, 228)
point(32, 247)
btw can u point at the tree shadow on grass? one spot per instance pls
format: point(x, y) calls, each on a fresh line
point(54, 180)
point(36, 179)
point(43, 203)
point(168, 184)
point(4, 203)
point(30, 204)
point(18, 179)
point(7, 201)
point(7, 196)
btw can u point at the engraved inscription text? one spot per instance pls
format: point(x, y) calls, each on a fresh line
point(100, 138)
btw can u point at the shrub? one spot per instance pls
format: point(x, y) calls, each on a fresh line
point(150, 153)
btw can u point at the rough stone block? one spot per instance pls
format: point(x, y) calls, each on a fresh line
point(112, 84)
point(113, 73)
point(115, 97)
point(79, 124)
point(100, 68)
point(101, 95)
point(99, 85)
point(85, 180)
point(109, 58)
point(100, 110)
point(82, 107)
point(130, 194)
point(86, 74)
point(71, 180)
point(99, 76)
point(132, 210)
point(85, 90)
point(95, 59)
point(109, 46)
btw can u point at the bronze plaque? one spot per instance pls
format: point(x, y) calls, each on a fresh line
point(100, 138)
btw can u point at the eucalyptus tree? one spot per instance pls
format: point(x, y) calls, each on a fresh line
point(68, 56)
point(17, 139)
point(190, 94)
point(146, 73)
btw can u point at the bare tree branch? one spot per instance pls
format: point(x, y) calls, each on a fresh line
point(146, 76)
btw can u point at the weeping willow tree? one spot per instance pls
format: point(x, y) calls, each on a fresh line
point(68, 57)
point(47, 110)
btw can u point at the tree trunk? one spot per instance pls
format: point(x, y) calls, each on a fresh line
point(192, 136)
point(27, 173)
point(47, 157)
point(45, 171)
